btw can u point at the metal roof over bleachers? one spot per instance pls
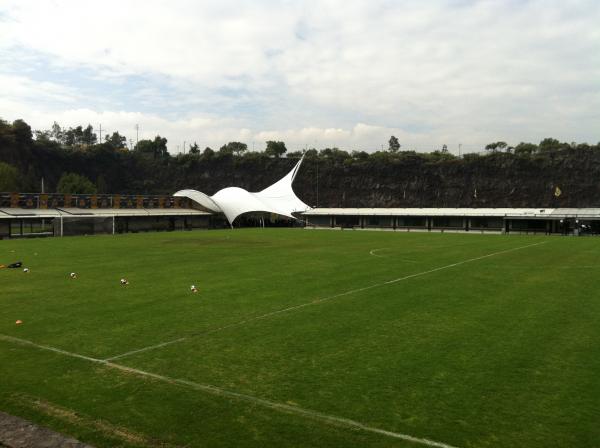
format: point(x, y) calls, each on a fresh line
point(29, 213)
point(513, 213)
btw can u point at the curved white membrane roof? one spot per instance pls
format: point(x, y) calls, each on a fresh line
point(279, 198)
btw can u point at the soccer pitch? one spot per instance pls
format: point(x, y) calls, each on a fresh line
point(301, 338)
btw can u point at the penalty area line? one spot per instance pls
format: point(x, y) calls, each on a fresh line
point(214, 390)
point(144, 349)
point(318, 301)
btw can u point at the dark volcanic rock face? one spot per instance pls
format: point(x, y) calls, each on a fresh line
point(334, 178)
point(497, 180)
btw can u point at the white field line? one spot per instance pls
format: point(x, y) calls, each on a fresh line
point(214, 390)
point(317, 301)
point(144, 349)
point(470, 260)
point(372, 252)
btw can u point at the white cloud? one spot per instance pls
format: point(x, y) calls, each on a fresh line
point(315, 71)
point(18, 88)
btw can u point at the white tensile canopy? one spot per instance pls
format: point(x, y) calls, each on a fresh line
point(279, 198)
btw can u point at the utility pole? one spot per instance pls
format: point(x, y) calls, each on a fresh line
point(100, 132)
point(184, 147)
point(459, 148)
point(317, 180)
point(137, 134)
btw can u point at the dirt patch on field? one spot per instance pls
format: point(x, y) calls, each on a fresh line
point(103, 427)
point(18, 433)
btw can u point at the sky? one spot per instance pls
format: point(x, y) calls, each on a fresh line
point(320, 73)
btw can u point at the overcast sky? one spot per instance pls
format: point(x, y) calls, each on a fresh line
point(317, 73)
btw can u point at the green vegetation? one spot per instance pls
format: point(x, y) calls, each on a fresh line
point(71, 183)
point(8, 177)
point(275, 149)
point(499, 350)
point(525, 175)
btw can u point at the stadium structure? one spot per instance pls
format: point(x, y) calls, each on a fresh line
point(38, 214)
point(278, 199)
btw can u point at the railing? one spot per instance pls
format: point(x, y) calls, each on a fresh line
point(90, 201)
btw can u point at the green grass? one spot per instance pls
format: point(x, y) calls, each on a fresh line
point(500, 351)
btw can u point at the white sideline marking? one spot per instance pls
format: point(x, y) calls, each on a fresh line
point(214, 390)
point(317, 301)
point(46, 347)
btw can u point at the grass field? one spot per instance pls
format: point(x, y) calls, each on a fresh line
point(305, 338)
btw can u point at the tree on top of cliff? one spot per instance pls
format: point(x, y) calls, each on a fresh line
point(525, 149)
point(394, 144)
point(551, 144)
point(157, 147)
point(276, 149)
point(233, 148)
point(116, 140)
point(497, 146)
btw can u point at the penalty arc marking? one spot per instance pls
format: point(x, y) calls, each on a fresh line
point(375, 254)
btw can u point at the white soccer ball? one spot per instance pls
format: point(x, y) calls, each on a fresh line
point(73, 275)
point(25, 270)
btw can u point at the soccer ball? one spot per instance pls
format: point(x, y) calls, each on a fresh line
point(73, 275)
point(26, 270)
point(124, 282)
point(193, 288)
